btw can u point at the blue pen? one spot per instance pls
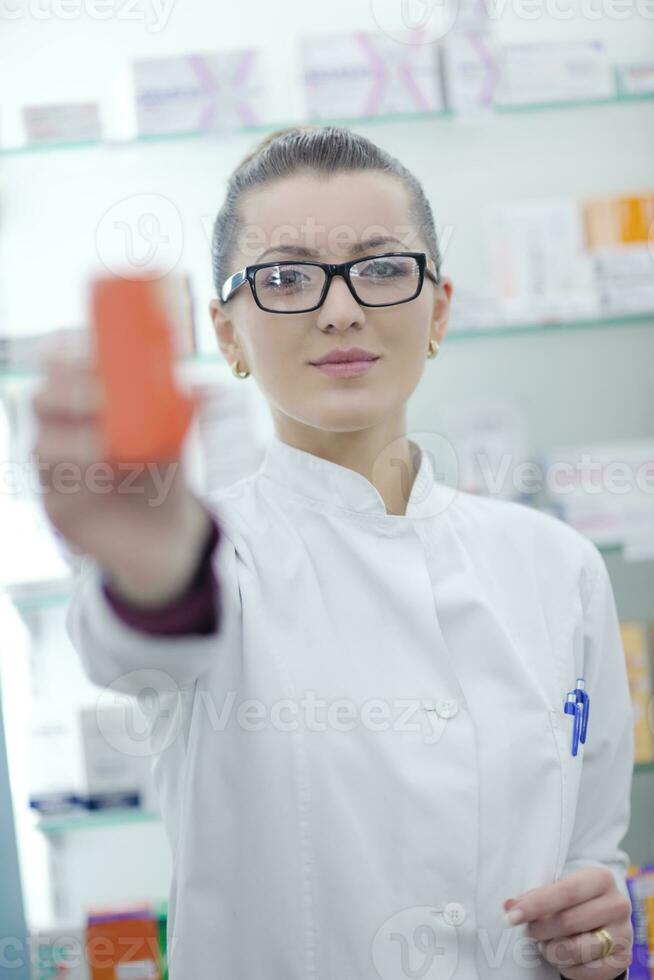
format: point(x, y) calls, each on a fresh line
point(582, 696)
point(574, 707)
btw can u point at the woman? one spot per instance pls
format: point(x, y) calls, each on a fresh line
point(362, 751)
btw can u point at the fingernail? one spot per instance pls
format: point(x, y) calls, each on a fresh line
point(514, 917)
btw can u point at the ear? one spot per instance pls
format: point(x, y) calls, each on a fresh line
point(441, 309)
point(224, 330)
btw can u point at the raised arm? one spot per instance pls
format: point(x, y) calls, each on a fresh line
point(146, 608)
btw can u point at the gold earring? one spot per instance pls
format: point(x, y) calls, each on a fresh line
point(433, 348)
point(236, 371)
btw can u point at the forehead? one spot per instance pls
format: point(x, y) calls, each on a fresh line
point(328, 214)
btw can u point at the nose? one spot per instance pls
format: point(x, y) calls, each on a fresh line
point(340, 309)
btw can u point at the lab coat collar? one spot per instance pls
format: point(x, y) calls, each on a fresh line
point(324, 481)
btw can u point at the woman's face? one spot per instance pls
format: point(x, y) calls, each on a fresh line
point(332, 216)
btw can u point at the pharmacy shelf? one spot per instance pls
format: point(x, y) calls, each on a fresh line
point(93, 821)
point(444, 115)
point(454, 335)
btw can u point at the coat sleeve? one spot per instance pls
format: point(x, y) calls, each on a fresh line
point(197, 610)
point(128, 659)
point(604, 804)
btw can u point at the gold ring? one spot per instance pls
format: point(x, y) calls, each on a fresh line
point(607, 941)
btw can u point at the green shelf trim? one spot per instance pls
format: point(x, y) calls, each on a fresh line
point(43, 601)
point(32, 149)
point(610, 549)
point(553, 326)
point(93, 821)
point(644, 767)
point(620, 98)
point(188, 134)
point(26, 374)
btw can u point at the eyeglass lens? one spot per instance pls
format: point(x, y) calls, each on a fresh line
point(296, 286)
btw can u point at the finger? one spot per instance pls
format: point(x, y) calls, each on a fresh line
point(68, 392)
point(581, 886)
point(584, 951)
point(59, 360)
point(67, 341)
point(73, 444)
point(582, 918)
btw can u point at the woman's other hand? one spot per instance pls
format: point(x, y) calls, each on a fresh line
point(564, 915)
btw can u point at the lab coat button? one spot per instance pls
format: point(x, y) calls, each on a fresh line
point(454, 913)
point(447, 707)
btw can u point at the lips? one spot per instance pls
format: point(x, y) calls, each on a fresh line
point(347, 368)
point(340, 356)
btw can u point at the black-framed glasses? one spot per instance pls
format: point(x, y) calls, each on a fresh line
point(385, 279)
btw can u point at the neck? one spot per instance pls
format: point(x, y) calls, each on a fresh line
point(382, 454)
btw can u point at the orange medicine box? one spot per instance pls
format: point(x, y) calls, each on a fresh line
point(145, 415)
point(618, 220)
point(124, 946)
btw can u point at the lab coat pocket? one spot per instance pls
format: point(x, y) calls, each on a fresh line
point(570, 767)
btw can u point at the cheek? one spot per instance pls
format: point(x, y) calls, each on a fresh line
point(278, 350)
point(406, 336)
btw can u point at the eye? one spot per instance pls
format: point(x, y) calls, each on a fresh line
point(386, 268)
point(283, 278)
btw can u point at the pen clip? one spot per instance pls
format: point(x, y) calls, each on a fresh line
point(573, 707)
point(583, 697)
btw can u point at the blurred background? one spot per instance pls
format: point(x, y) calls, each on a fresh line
point(531, 126)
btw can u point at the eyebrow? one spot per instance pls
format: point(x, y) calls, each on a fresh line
point(313, 253)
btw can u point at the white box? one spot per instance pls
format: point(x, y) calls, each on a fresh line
point(116, 757)
point(364, 74)
point(61, 949)
point(554, 72)
point(472, 310)
point(470, 70)
point(625, 278)
point(604, 490)
point(62, 123)
point(199, 92)
point(542, 268)
point(636, 79)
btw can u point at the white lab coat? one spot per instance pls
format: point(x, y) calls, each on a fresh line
point(380, 838)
